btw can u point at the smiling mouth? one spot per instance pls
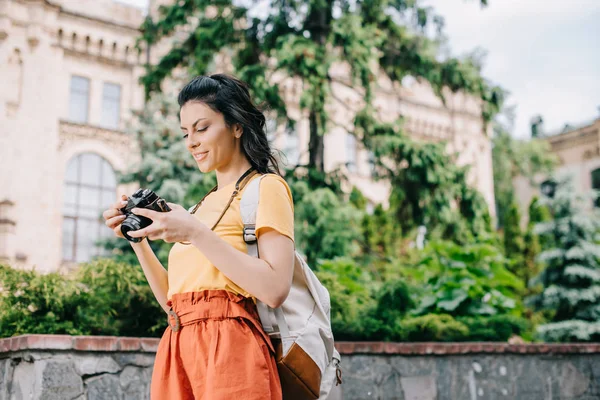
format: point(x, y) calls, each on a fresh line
point(200, 156)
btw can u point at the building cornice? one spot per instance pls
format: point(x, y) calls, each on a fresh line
point(103, 21)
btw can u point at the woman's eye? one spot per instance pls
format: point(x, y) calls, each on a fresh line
point(202, 130)
point(185, 136)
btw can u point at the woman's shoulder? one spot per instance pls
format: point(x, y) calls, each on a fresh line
point(273, 184)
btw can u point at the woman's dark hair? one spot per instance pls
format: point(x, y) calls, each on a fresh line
point(230, 96)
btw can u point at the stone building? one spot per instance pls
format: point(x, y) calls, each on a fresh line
point(578, 152)
point(70, 71)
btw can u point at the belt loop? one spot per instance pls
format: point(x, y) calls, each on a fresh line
point(176, 318)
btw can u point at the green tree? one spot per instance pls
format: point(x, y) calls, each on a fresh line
point(514, 157)
point(378, 233)
point(325, 226)
point(514, 243)
point(533, 243)
point(303, 39)
point(428, 187)
point(513, 235)
point(571, 274)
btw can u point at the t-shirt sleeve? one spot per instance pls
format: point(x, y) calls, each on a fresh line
point(276, 207)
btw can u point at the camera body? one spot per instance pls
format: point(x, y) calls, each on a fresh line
point(142, 198)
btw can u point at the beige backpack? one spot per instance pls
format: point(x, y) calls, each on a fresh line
point(308, 363)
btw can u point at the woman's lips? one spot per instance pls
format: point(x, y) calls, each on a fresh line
point(200, 156)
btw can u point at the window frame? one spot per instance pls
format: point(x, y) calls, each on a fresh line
point(76, 213)
point(119, 102)
point(87, 99)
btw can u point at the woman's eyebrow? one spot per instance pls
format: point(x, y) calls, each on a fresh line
point(194, 124)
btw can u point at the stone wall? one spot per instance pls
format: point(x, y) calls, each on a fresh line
point(57, 367)
point(471, 371)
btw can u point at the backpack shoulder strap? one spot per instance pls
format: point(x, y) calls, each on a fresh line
point(248, 209)
point(273, 320)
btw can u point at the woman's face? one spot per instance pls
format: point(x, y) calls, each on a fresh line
point(210, 141)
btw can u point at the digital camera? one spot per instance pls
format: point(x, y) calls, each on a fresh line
point(143, 198)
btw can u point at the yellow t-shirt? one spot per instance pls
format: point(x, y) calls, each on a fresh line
point(190, 271)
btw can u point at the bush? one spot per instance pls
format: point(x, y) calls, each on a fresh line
point(497, 328)
point(431, 328)
point(100, 298)
point(352, 299)
point(34, 303)
point(470, 280)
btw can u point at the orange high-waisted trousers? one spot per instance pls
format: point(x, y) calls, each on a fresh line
point(219, 351)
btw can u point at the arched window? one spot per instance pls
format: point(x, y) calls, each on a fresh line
point(90, 187)
point(596, 184)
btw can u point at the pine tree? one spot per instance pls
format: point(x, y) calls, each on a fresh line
point(571, 275)
point(532, 241)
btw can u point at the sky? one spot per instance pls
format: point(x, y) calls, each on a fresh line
point(545, 53)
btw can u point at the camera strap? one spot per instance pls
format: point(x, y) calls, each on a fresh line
point(239, 185)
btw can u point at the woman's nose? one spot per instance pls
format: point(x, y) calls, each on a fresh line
point(190, 143)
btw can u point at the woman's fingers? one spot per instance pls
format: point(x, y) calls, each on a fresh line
point(113, 217)
point(115, 209)
point(115, 221)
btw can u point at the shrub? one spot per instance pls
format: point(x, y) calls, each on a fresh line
point(101, 298)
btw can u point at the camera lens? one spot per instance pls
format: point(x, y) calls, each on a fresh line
point(134, 223)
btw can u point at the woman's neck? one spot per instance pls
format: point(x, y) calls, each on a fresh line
point(232, 172)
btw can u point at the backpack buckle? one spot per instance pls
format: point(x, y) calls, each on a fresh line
point(250, 234)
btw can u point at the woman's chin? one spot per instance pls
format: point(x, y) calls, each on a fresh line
point(205, 167)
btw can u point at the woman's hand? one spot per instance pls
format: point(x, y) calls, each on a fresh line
point(113, 217)
point(177, 225)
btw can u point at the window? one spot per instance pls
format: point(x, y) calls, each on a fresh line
point(292, 146)
point(596, 185)
point(111, 105)
point(351, 152)
point(79, 100)
point(90, 187)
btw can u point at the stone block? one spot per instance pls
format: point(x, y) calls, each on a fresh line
point(95, 365)
point(135, 359)
point(59, 381)
point(419, 387)
point(6, 371)
point(104, 387)
point(135, 383)
point(24, 384)
point(573, 383)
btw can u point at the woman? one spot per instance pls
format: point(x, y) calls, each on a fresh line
point(215, 347)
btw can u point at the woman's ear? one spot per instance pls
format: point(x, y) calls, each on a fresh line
point(238, 130)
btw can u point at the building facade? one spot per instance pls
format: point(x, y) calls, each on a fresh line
point(578, 152)
point(71, 71)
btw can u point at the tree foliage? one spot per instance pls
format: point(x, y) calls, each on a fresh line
point(100, 298)
point(467, 281)
point(571, 274)
point(428, 187)
point(303, 39)
point(515, 157)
